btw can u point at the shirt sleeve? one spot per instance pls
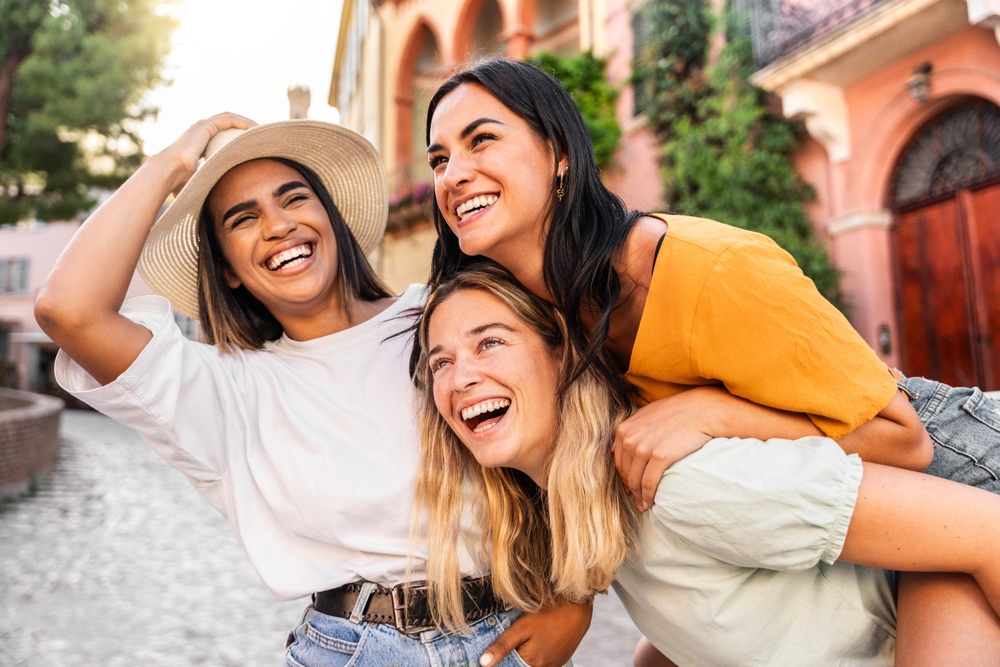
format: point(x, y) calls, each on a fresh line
point(775, 504)
point(178, 394)
point(762, 329)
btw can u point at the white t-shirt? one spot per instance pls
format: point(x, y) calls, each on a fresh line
point(309, 449)
point(737, 561)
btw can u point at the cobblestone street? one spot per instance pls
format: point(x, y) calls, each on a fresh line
point(117, 561)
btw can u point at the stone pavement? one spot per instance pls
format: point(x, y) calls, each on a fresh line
point(117, 561)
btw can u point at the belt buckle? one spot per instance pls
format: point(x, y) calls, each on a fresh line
point(399, 611)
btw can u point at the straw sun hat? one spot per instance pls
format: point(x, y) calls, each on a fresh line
point(343, 160)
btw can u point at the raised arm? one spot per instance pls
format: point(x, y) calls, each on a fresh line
point(917, 523)
point(77, 305)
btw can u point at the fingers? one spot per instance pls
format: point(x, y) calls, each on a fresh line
point(651, 476)
point(509, 640)
point(228, 120)
point(624, 452)
point(189, 147)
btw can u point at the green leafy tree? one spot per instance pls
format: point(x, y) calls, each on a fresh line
point(728, 157)
point(668, 72)
point(583, 76)
point(72, 75)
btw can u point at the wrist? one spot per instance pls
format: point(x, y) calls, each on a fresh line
point(169, 171)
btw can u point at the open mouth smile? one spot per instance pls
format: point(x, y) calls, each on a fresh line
point(484, 415)
point(287, 259)
point(474, 205)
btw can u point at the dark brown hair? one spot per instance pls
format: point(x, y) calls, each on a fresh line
point(590, 224)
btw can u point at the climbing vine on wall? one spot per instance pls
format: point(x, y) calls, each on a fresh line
point(726, 155)
point(583, 76)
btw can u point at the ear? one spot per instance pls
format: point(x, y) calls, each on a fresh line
point(563, 165)
point(231, 278)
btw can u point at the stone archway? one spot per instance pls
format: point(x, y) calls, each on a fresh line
point(945, 198)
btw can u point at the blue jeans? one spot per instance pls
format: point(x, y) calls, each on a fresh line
point(965, 427)
point(327, 641)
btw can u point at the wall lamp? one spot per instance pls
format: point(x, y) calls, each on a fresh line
point(919, 83)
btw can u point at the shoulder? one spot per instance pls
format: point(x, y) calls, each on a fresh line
point(712, 237)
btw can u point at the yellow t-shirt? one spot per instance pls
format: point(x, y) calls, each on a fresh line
point(727, 306)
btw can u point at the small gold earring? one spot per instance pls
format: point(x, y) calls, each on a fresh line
point(561, 192)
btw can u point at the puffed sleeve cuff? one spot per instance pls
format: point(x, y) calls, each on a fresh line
point(777, 504)
point(844, 509)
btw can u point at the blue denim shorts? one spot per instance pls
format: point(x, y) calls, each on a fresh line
point(964, 425)
point(327, 641)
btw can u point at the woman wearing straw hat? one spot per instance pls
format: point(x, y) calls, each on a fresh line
point(295, 421)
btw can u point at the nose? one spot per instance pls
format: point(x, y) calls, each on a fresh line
point(465, 375)
point(457, 172)
point(276, 224)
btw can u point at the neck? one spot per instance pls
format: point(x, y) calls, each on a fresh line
point(308, 325)
point(528, 269)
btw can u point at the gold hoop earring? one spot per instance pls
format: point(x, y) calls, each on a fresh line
point(561, 192)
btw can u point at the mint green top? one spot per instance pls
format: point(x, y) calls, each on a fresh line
point(737, 561)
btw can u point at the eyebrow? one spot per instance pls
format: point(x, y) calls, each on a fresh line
point(469, 129)
point(250, 203)
point(476, 331)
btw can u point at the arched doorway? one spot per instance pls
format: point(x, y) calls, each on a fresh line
point(945, 197)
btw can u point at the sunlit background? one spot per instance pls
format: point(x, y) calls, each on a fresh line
point(242, 57)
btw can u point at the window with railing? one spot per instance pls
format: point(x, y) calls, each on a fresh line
point(779, 27)
point(14, 274)
point(641, 36)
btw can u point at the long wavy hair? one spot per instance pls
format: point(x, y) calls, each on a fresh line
point(589, 225)
point(235, 318)
point(565, 543)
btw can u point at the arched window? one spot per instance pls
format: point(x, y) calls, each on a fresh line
point(419, 75)
point(487, 32)
point(426, 77)
point(555, 26)
point(957, 150)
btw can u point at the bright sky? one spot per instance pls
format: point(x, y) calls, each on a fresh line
point(242, 56)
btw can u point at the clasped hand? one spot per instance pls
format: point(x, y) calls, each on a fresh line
point(663, 432)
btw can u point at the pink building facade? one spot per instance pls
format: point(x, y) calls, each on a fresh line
point(28, 251)
point(901, 100)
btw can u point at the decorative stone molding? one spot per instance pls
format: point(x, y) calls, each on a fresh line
point(859, 220)
point(985, 13)
point(824, 109)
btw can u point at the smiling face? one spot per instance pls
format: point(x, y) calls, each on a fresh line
point(495, 382)
point(493, 176)
point(277, 239)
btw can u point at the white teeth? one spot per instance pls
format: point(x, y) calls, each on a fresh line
point(485, 406)
point(474, 204)
point(299, 252)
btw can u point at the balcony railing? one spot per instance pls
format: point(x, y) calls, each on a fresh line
point(779, 27)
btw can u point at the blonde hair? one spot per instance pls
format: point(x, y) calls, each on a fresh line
point(565, 543)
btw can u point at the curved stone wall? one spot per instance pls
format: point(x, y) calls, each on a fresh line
point(29, 438)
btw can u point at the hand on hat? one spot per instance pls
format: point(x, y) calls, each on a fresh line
point(189, 147)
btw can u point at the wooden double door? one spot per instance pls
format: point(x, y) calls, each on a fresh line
point(948, 287)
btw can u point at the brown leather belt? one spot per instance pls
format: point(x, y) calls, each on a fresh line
point(404, 607)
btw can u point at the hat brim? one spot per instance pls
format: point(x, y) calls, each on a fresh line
point(344, 161)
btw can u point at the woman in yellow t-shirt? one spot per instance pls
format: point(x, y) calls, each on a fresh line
point(716, 328)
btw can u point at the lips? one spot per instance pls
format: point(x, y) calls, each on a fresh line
point(289, 258)
point(484, 415)
point(474, 205)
